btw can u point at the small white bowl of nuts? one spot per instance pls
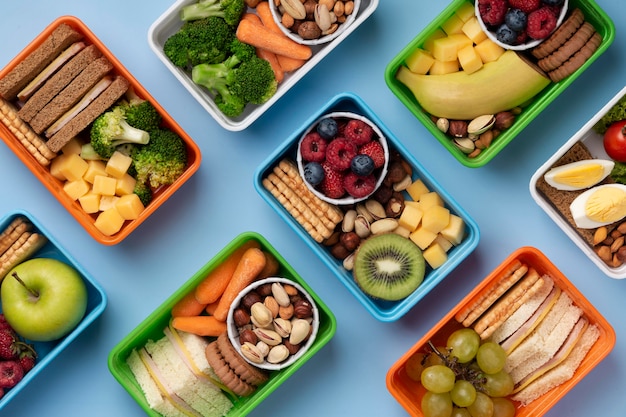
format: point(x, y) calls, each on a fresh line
point(314, 22)
point(272, 323)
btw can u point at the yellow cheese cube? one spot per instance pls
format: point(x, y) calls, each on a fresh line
point(107, 202)
point(471, 28)
point(443, 242)
point(118, 164)
point(455, 230)
point(452, 25)
point(410, 217)
point(435, 256)
point(125, 185)
point(90, 202)
point(422, 237)
point(446, 49)
point(104, 185)
point(469, 59)
point(488, 50)
point(129, 206)
point(465, 11)
point(55, 166)
point(76, 189)
point(430, 199)
point(436, 218)
point(75, 145)
point(109, 222)
point(94, 167)
point(72, 167)
point(428, 43)
point(416, 189)
point(443, 67)
point(420, 61)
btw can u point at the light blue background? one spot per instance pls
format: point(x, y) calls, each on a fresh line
point(347, 377)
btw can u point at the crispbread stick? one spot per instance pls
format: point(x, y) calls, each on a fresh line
point(27, 244)
point(12, 233)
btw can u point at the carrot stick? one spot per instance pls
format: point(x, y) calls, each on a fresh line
point(248, 269)
point(200, 325)
point(272, 58)
point(252, 17)
point(210, 308)
point(188, 306)
point(262, 37)
point(212, 287)
point(271, 266)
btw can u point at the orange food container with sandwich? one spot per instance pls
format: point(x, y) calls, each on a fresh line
point(409, 393)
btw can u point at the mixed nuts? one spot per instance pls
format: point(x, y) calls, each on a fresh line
point(313, 19)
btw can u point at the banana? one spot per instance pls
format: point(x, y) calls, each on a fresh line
point(499, 85)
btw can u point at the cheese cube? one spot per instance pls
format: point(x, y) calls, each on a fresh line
point(472, 30)
point(443, 242)
point(107, 202)
point(125, 185)
point(435, 256)
point(446, 49)
point(469, 59)
point(104, 185)
point(90, 202)
point(72, 167)
point(428, 43)
point(118, 164)
point(422, 237)
point(55, 166)
point(436, 218)
point(488, 50)
point(455, 230)
point(109, 222)
point(416, 189)
point(452, 25)
point(410, 217)
point(465, 11)
point(420, 61)
point(76, 189)
point(94, 167)
point(75, 145)
point(443, 67)
point(430, 199)
point(129, 206)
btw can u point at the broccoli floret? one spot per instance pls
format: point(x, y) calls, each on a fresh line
point(229, 10)
point(200, 41)
point(254, 81)
point(88, 153)
point(140, 113)
point(144, 192)
point(162, 160)
point(111, 130)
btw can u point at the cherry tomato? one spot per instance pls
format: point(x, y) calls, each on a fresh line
point(615, 141)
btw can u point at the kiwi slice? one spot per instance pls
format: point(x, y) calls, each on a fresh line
point(389, 266)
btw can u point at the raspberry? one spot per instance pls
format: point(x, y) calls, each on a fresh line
point(313, 147)
point(27, 361)
point(492, 11)
point(526, 6)
point(8, 345)
point(541, 23)
point(11, 373)
point(358, 132)
point(375, 151)
point(359, 186)
point(339, 153)
point(332, 184)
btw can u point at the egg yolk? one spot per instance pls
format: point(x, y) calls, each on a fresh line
point(582, 176)
point(606, 205)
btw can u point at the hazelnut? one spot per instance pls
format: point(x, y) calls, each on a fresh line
point(395, 172)
point(248, 335)
point(309, 7)
point(248, 300)
point(264, 290)
point(383, 193)
point(339, 251)
point(302, 309)
point(504, 120)
point(309, 30)
point(458, 128)
point(293, 349)
point(621, 254)
point(350, 240)
point(241, 317)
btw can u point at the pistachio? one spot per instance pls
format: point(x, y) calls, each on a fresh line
point(347, 224)
point(384, 226)
point(403, 184)
point(466, 145)
point(294, 8)
point(279, 293)
point(322, 16)
point(481, 124)
point(375, 208)
point(300, 329)
point(332, 29)
point(443, 124)
point(362, 226)
point(261, 315)
point(282, 326)
point(348, 262)
point(277, 354)
point(363, 211)
point(251, 352)
point(263, 348)
point(270, 337)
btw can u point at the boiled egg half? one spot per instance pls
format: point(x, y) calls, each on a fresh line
point(599, 206)
point(579, 175)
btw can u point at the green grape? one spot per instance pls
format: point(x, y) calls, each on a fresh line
point(491, 357)
point(482, 407)
point(436, 405)
point(434, 359)
point(460, 412)
point(414, 366)
point(463, 393)
point(438, 379)
point(503, 407)
point(464, 344)
point(499, 384)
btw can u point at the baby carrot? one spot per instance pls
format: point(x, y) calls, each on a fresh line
point(251, 264)
point(188, 306)
point(200, 325)
point(212, 287)
point(271, 266)
point(262, 37)
point(210, 308)
point(272, 58)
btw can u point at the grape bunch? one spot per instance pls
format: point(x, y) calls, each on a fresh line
point(465, 378)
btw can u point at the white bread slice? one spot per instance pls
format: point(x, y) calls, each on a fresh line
point(562, 372)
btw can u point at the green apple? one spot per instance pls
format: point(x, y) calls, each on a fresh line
point(43, 299)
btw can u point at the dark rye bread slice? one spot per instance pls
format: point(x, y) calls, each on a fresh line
point(106, 99)
point(71, 94)
point(58, 82)
point(561, 200)
point(25, 71)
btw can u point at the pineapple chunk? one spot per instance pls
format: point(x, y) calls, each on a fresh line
point(76, 189)
point(455, 230)
point(436, 218)
point(90, 202)
point(420, 61)
point(422, 237)
point(118, 164)
point(435, 255)
point(469, 59)
point(104, 185)
point(416, 189)
point(129, 206)
point(410, 217)
point(109, 222)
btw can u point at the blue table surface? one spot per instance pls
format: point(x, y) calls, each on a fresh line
point(347, 377)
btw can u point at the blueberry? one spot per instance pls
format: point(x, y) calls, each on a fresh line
point(506, 35)
point(553, 2)
point(327, 128)
point(362, 165)
point(313, 173)
point(516, 19)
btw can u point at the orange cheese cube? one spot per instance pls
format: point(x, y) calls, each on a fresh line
point(129, 206)
point(472, 30)
point(435, 255)
point(72, 167)
point(436, 218)
point(94, 168)
point(90, 202)
point(410, 217)
point(422, 237)
point(118, 164)
point(469, 59)
point(76, 189)
point(488, 50)
point(109, 221)
point(455, 230)
point(104, 185)
point(420, 61)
